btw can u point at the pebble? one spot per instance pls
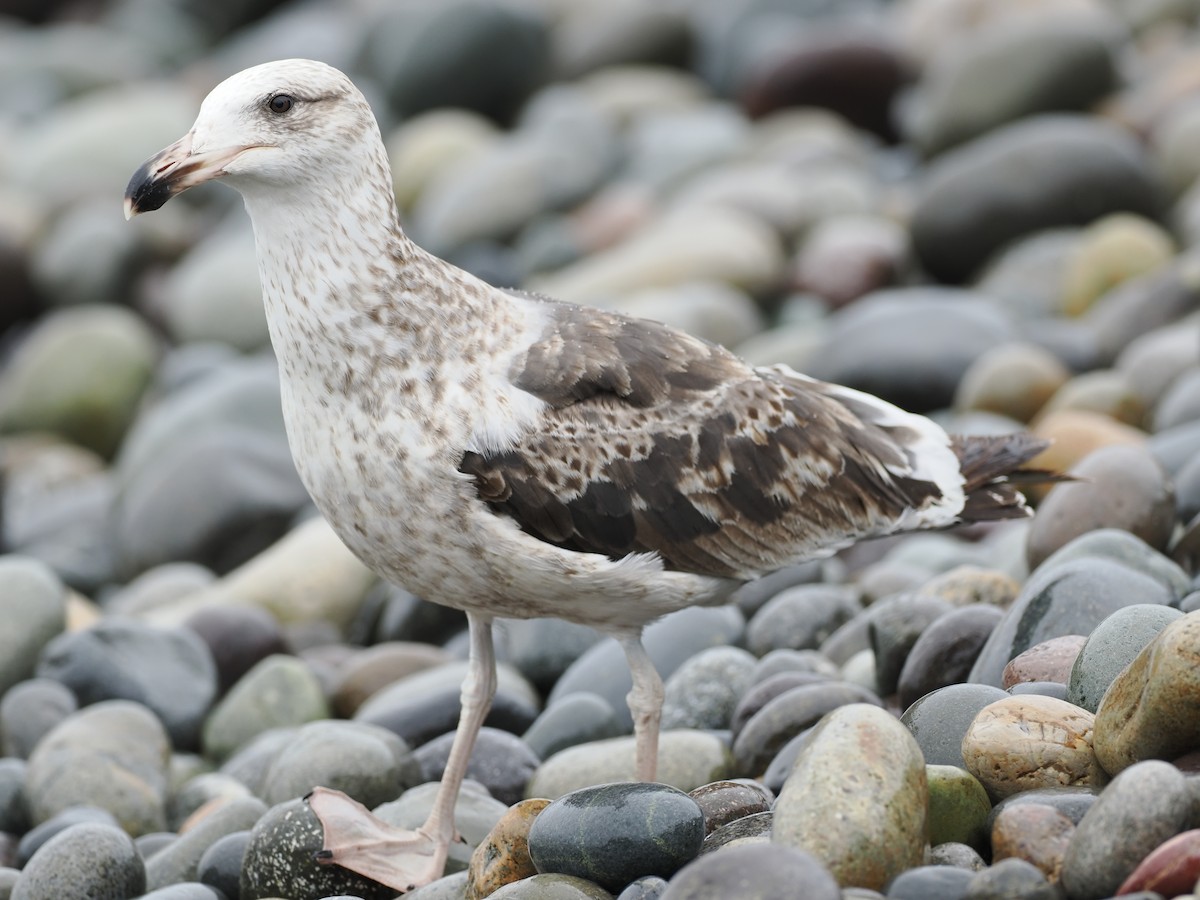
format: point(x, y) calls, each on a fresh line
point(968, 585)
point(958, 855)
point(1026, 742)
point(112, 755)
point(940, 719)
point(1051, 660)
point(963, 215)
point(723, 802)
point(687, 759)
point(1104, 391)
point(1112, 646)
point(1128, 549)
point(895, 630)
point(220, 866)
point(503, 856)
point(801, 617)
point(1034, 832)
point(909, 346)
point(1171, 869)
point(1120, 487)
point(751, 829)
point(868, 829)
point(849, 256)
point(280, 860)
point(945, 651)
point(237, 637)
point(572, 719)
point(34, 604)
point(1148, 710)
point(542, 649)
point(14, 809)
point(180, 860)
point(958, 807)
point(28, 711)
point(184, 891)
point(754, 872)
point(672, 639)
point(500, 761)
point(614, 833)
point(704, 690)
point(764, 691)
point(35, 837)
point(765, 733)
point(1145, 805)
point(1069, 598)
point(552, 887)
point(930, 883)
point(95, 861)
point(1009, 879)
point(426, 704)
point(168, 671)
point(92, 401)
point(1014, 380)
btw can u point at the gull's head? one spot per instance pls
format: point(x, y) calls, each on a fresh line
point(279, 125)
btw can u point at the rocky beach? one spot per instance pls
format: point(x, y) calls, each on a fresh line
point(985, 211)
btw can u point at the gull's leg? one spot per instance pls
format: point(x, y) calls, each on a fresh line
point(397, 857)
point(645, 703)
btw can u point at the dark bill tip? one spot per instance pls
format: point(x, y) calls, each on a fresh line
point(147, 191)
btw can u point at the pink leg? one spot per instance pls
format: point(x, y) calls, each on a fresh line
point(400, 858)
point(645, 703)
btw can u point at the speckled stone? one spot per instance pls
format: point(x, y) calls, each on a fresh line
point(754, 872)
point(1144, 806)
point(95, 861)
point(280, 860)
point(1050, 660)
point(958, 807)
point(503, 856)
point(1026, 742)
point(866, 829)
point(614, 833)
point(959, 855)
point(1111, 647)
point(1034, 832)
point(35, 837)
point(723, 802)
point(1150, 710)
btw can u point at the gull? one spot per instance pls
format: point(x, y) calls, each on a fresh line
point(510, 455)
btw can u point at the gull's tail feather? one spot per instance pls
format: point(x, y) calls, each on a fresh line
point(992, 474)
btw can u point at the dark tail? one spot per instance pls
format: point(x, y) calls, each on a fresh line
point(991, 468)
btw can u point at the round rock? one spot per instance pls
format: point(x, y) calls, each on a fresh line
point(857, 797)
point(614, 833)
point(939, 720)
point(1111, 647)
point(501, 762)
point(945, 651)
point(703, 692)
point(33, 602)
point(754, 872)
point(503, 856)
point(169, 671)
point(1026, 742)
point(1150, 711)
point(1144, 806)
point(29, 710)
point(95, 861)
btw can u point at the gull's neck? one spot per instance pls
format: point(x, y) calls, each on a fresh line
point(338, 272)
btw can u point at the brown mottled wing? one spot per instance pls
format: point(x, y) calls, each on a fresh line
point(657, 441)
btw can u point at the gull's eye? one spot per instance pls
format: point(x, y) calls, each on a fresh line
point(280, 103)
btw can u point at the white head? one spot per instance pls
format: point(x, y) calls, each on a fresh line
point(281, 125)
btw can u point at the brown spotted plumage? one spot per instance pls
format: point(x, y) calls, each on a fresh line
point(510, 455)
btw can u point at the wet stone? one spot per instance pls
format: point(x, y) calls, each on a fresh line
point(614, 833)
point(752, 829)
point(220, 866)
point(1111, 647)
point(1034, 832)
point(945, 651)
point(958, 807)
point(940, 720)
point(1173, 868)
point(723, 802)
point(1051, 660)
point(1010, 878)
